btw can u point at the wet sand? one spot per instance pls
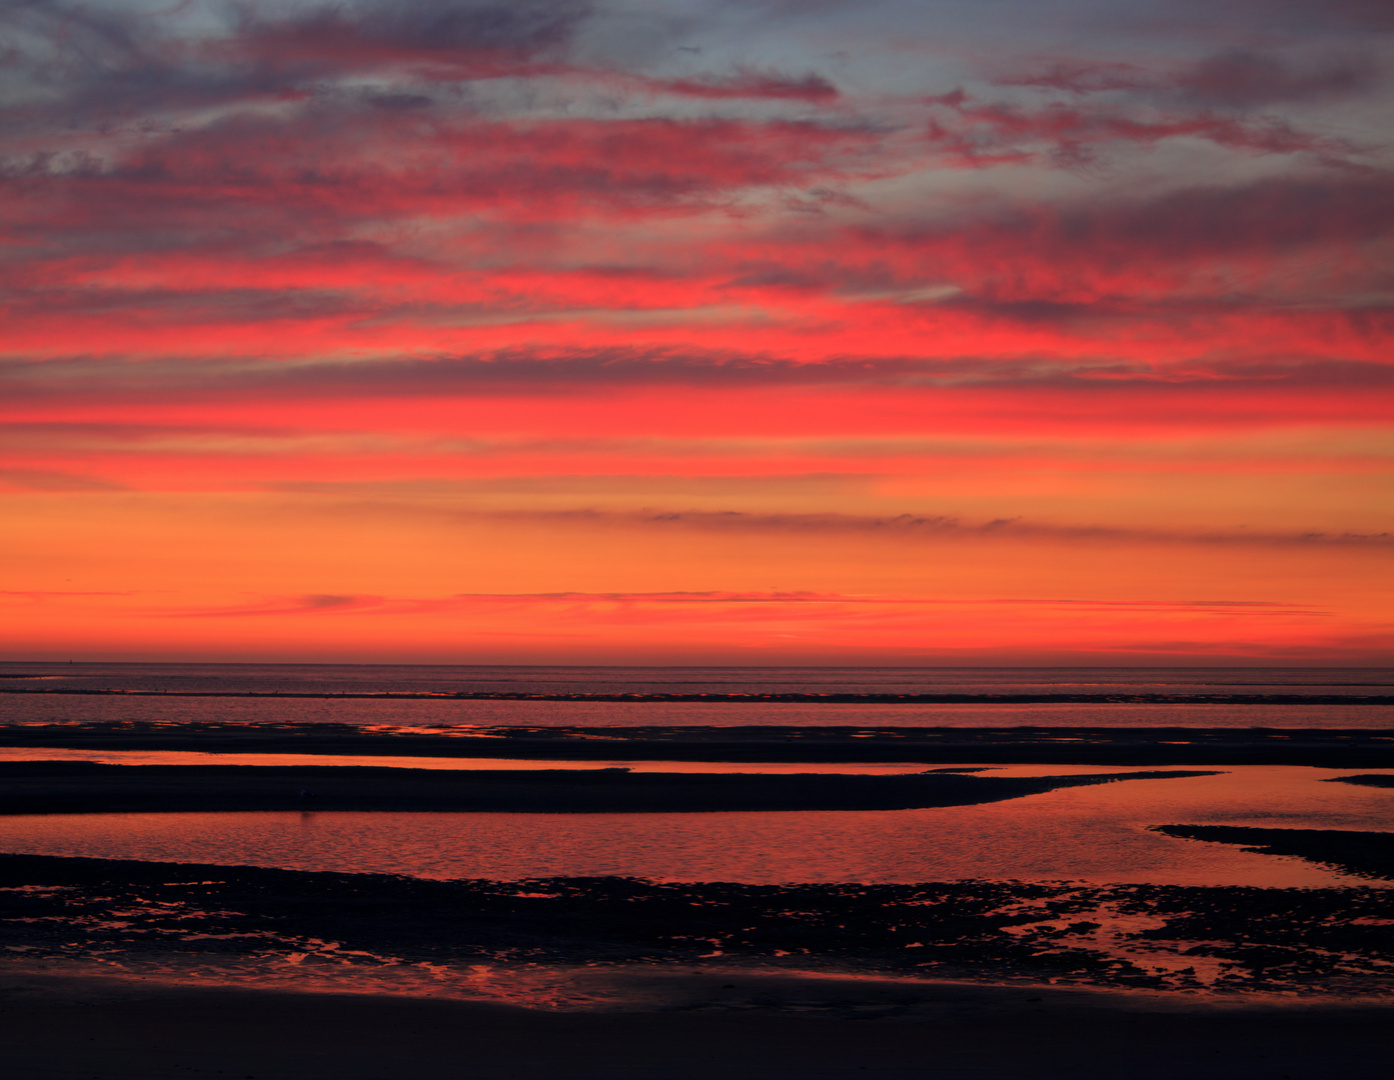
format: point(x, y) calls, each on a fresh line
point(250, 922)
point(69, 787)
point(76, 1028)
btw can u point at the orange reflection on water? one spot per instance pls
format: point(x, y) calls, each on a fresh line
point(1090, 834)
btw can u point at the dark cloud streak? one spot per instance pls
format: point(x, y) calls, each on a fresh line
point(570, 371)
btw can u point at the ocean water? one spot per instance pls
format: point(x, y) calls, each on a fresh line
point(329, 680)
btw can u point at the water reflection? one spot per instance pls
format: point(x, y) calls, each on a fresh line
point(1091, 834)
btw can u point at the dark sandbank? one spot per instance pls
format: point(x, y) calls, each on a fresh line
point(1124, 747)
point(91, 1029)
point(1364, 854)
point(68, 787)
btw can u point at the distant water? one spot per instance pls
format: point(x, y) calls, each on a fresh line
point(334, 679)
point(440, 678)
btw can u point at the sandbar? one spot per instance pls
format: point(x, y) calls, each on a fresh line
point(69, 787)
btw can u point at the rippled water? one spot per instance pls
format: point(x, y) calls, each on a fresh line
point(1091, 834)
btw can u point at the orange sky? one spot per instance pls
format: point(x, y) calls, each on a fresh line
point(687, 333)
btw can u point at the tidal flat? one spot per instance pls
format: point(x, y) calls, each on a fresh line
point(901, 960)
point(126, 970)
point(51, 787)
point(141, 916)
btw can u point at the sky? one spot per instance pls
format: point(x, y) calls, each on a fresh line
point(903, 332)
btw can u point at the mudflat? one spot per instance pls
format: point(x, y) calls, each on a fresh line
point(81, 1028)
point(155, 918)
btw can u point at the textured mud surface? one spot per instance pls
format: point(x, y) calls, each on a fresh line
point(124, 914)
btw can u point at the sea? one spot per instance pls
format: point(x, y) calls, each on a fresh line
point(420, 695)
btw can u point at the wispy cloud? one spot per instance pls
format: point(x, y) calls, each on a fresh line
point(317, 604)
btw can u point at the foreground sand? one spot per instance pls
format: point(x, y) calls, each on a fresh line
point(59, 1027)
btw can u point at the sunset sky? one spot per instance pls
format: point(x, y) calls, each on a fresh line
point(698, 331)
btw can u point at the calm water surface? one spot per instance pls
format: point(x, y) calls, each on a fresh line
point(1089, 834)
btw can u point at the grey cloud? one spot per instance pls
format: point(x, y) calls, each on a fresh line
point(78, 68)
point(400, 102)
point(1247, 79)
point(518, 30)
point(1234, 78)
point(1313, 16)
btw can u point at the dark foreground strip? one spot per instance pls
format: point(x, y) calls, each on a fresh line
point(753, 1028)
point(1293, 940)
